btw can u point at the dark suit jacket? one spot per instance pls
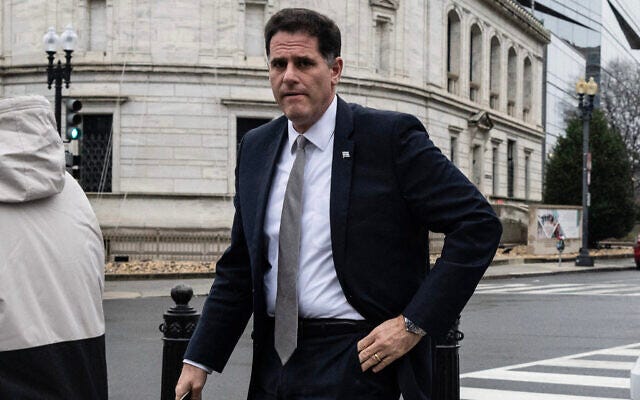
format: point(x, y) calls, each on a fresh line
point(394, 188)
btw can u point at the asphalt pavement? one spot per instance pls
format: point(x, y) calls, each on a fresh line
point(502, 269)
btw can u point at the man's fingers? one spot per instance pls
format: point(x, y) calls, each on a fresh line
point(368, 363)
point(382, 364)
point(366, 342)
point(192, 380)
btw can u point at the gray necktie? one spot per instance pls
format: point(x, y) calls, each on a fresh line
point(286, 324)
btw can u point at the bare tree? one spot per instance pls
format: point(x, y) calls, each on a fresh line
point(620, 99)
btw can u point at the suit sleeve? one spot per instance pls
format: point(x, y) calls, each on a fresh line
point(228, 307)
point(444, 200)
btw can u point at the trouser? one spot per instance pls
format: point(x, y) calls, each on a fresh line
point(324, 366)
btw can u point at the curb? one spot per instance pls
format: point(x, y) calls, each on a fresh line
point(170, 275)
point(495, 263)
point(565, 258)
point(558, 272)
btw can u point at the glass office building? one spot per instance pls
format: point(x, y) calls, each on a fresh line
point(602, 30)
point(587, 36)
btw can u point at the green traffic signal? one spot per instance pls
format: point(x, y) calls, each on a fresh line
point(73, 119)
point(74, 133)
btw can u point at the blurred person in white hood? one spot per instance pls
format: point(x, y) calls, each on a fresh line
point(51, 265)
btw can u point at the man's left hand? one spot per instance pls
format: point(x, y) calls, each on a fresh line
point(385, 344)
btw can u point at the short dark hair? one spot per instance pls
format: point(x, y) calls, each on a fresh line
point(314, 24)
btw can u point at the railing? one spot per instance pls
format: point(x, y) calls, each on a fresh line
point(125, 244)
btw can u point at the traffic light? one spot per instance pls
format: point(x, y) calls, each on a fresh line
point(73, 119)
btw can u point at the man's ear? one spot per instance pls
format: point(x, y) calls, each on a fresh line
point(336, 70)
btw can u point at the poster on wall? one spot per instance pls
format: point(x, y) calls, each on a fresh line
point(553, 223)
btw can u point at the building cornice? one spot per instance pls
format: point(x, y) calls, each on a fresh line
point(520, 16)
point(429, 95)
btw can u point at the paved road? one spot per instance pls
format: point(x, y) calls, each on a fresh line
point(544, 322)
point(552, 338)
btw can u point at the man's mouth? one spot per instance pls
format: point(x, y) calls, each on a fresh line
point(292, 94)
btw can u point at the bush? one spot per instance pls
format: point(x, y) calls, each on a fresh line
point(612, 210)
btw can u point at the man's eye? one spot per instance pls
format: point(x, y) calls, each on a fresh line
point(304, 63)
point(277, 64)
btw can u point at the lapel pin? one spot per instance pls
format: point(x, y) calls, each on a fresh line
point(345, 154)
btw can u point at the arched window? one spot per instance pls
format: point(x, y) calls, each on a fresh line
point(453, 51)
point(494, 74)
point(527, 89)
point(475, 62)
point(512, 80)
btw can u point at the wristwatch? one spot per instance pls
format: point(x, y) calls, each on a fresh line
point(411, 327)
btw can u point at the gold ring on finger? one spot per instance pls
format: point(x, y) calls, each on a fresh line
point(377, 357)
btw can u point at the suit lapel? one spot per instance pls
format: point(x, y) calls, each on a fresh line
point(341, 170)
point(269, 160)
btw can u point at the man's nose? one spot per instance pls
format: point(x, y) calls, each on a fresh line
point(290, 73)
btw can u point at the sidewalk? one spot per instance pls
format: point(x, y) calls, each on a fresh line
point(500, 269)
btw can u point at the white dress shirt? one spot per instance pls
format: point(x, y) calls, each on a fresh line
point(319, 292)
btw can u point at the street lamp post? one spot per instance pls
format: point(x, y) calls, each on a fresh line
point(57, 72)
point(586, 107)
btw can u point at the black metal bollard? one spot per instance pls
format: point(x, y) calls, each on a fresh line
point(178, 326)
point(446, 365)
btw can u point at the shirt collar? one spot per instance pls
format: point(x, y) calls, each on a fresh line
point(321, 132)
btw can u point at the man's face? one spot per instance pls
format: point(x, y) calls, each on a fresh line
point(302, 82)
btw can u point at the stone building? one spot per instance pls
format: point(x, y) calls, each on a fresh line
point(169, 88)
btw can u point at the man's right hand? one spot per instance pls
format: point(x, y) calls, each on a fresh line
point(191, 379)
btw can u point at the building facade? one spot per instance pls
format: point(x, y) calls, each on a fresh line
point(595, 33)
point(169, 90)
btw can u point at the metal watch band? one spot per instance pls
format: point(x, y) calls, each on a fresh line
point(409, 326)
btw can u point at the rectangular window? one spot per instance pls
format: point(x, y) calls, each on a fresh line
point(95, 153)
point(244, 125)
point(527, 181)
point(98, 25)
point(382, 47)
point(253, 35)
point(494, 170)
point(476, 165)
point(511, 167)
point(453, 150)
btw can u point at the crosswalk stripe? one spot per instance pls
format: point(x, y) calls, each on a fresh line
point(578, 288)
point(633, 347)
point(622, 352)
point(493, 394)
point(595, 364)
point(529, 287)
point(542, 377)
point(604, 289)
point(500, 285)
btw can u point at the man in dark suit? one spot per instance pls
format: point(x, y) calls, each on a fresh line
point(371, 185)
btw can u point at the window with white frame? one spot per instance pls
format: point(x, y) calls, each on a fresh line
point(97, 25)
point(495, 169)
point(475, 62)
point(382, 42)
point(512, 81)
point(511, 167)
point(527, 89)
point(494, 74)
point(253, 25)
point(453, 51)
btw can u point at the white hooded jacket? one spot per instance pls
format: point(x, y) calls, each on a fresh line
point(51, 250)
